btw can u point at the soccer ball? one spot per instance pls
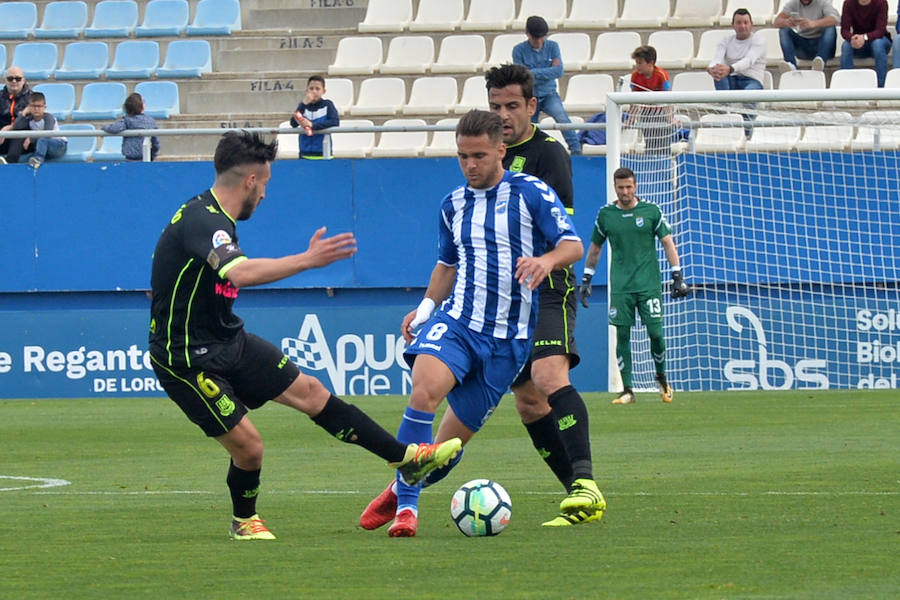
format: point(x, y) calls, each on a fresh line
point(481, 507)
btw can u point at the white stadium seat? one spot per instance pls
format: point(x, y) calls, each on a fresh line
point(674, 49)
point(643, 13)
point(779, 138)
point(501, 48)
point(401, 143)
point(489, 15)
point(437, 15)
point(386, 16)
point(553, 11)
point(834, 133)
point(431, 95)
point(592, 14)
point(586, 92)
point(353, 144)
point(709, 41)
point(409, 54)
point(575, 49)
point(380, 96)
point(612, 51)
point(691, 81)
point(695, 13)
point(340, 91)
point(884, 124)
point(460, 54)
point(761, 11)
point(722, 138)
point(443, 143)
point(474, 95)
point(357, 56)
point(288, 143)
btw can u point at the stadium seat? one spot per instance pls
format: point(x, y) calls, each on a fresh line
point(401, 143)
point(834, 131)
point(164, 17)
point(81, 148)
point(161, 99)
point(709, 41)
point(381, 96)
point(357, 56)
point(693, 81)
point(186, 58)
point(592, 14)
point(761, 11)
point(630, 141)
point(134, 59)
point(100, 100)
point(63, 19)
point(409, 54)
point(802, 80)
point(353, 144)
point(643, 14)
point(460, 54)
point(340, 91)
point(431, 96)
point(386, 16)
point(553, 11)
point(110, 149)
point(113, 18)
point(575, 49)
point(2, 57)
point(216, 17)
point(36, 59)
point(851, 79)
point(892, 80)
point(502, 46)
point(489, 15)
point(613, 49)
point(722, 138)
point(674, 48)
point(60, 99)
point(774, 56)
point(548, 122)
point(881, 123)
point(288, 143)
point(778, 138)
point(443, 143)
point(437, 15)
point(587, 92)
point(695, 13)
point(17, 20)
point(84, 60)
point(474, 95)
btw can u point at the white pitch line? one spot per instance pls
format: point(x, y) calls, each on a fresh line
point(358, 493)
point(39, 482)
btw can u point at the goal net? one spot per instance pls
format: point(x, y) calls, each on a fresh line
point(785, 211)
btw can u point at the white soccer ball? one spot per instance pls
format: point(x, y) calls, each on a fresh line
point(481, 507)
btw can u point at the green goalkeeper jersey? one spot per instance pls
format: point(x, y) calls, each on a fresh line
point(632, 236)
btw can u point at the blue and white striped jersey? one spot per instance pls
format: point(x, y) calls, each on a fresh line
point(482, 234)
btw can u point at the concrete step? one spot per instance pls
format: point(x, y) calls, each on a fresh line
point(317, 14)
point(271, 60)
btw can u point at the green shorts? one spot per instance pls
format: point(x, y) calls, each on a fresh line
point(648, 304)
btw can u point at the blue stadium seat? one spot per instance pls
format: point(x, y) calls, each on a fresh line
point(37, 59)
point(161, 99)
point(2, 57)
point(186, 58)
point(84, 60)
point(164, 17)
point(216, 17)
point(136, 59)
point(60, 99)
point(17, 20)
point(110, 148)
point(113, 18)
point(79, 149)
point(100, 100)
point(63, 19)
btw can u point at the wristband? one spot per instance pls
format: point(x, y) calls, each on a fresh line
point(676, 269)
point(424, 310)
point(589, 271)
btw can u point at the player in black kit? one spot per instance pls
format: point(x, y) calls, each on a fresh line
point(213, 369)
point(551, 409)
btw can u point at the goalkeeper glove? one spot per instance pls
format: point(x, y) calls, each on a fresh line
point(586, 289)
point(680, 288)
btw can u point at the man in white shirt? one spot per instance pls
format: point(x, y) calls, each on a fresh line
point(740, 59)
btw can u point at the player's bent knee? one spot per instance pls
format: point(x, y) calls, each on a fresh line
point(306, 394)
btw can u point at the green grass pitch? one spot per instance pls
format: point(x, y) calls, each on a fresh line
point(737, 495)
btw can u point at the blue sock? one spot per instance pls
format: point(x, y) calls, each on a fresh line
point(416, 427)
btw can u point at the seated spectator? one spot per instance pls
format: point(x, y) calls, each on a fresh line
point(35, 150)
point(864, 29)
point(740, 59)
point(133, 147)
point(314, 113)
point(543, 58)
point(657, 123)
point(13, 102)
point(807, 29)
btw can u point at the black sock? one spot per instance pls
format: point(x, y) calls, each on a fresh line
point(572, 418)
point(546, 439)
point(244, 488)
point(351, 425)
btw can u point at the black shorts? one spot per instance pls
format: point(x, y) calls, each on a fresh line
point(244, 375)
point(554, 333)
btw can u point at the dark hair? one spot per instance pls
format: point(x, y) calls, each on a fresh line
point(536, 26)
point(134, 104)
point(240, 148)
point(318, 78)
point(36, 97)
point(481, 122)
point(623, 173)
point(509, 74)
point(742, 11)
point(644, 53)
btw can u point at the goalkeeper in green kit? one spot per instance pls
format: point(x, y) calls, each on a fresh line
point(632, 226)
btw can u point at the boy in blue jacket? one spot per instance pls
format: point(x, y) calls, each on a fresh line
point(314, 113)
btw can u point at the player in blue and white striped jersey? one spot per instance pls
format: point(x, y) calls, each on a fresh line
point(493, 235)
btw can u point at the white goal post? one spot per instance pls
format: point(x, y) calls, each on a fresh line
point(786, 213)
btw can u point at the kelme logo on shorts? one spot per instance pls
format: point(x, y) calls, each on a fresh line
point(225, 406)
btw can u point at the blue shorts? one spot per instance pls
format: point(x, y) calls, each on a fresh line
point(484, 366)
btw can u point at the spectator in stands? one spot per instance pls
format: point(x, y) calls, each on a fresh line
point(542, 56)
point(807, 28)
point(740, 59)
point(315, 113)
point(133, 146)
point(35, 150)
point(657, 123)
point(13, 102)
point(864, 29)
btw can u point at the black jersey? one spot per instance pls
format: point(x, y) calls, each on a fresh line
point(191, 316)
point(542, 156)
